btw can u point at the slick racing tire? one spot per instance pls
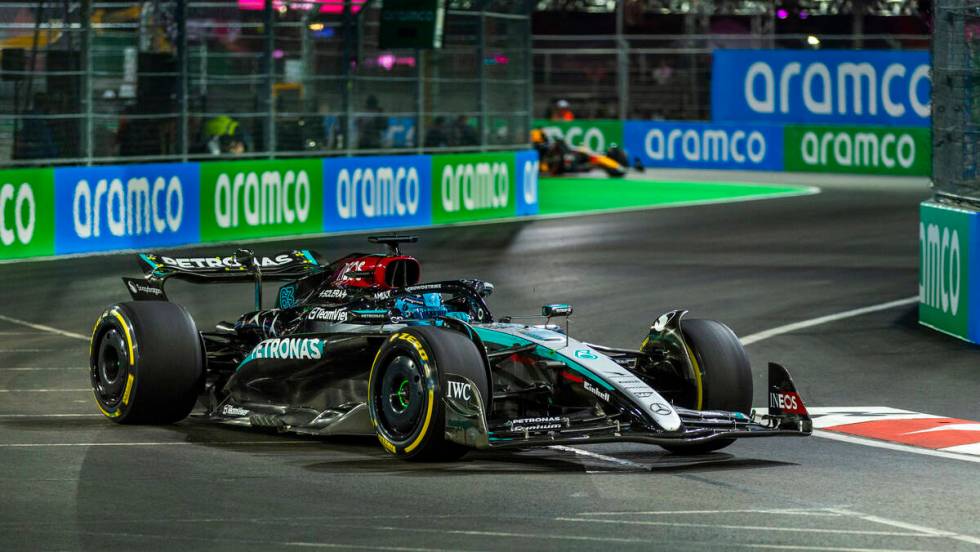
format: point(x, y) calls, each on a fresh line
point(407, 386)
point(147, 363)
point(725, 375)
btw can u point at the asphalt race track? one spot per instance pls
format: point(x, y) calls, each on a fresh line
point(71, 480)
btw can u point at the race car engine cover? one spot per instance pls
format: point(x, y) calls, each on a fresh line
point(379, 272)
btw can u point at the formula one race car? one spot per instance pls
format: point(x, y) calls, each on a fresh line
point(557, 157)
point(359, 346)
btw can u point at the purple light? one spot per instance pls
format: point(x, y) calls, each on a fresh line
point(390, 61)
point(278, 54)
point(326, 6)
point(782, 13)
point(804, 14)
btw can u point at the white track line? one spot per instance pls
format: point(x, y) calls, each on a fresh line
point(893, 446)
point(43, 328)
point(268, 545)
point(79, 390)
point(42, 368)
point(603, 457)
point(780, 330)
point(740, 527)
point(13, 416)
point(27, 350)
point(153, 444)
point(776, 511)
point(818, 548)
point(910, 526)
point(602, 539)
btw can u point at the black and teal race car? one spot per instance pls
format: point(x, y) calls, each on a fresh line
point(360, 347)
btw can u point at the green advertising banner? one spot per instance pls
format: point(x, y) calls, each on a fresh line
point(858, 150)
point(27, 213)
point(596, 135)
point(257, 199)
point(944, 267)
point(473, 187)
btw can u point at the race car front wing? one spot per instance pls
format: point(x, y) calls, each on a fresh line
point(786, 416)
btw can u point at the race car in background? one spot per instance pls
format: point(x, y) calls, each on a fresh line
point(360, 347)
point(557, 157)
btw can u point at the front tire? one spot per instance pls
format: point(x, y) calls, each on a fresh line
point(724, 372)
point(406, 389)
point(146, 363)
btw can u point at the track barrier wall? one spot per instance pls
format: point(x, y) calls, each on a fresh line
point(45, 212)
point(949, 270)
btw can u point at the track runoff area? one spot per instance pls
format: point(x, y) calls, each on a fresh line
point(818, 281)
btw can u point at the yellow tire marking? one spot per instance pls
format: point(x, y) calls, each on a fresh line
point(697, 375)
point(107, 414)
point(425, 426)
point(386, 444)
point(129, 339)
point(95, 328)
point(129, 388)
point(415, 343)
point(371, 377)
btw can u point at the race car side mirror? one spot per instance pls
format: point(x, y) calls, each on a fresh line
point(485, 289)
point(557, 309)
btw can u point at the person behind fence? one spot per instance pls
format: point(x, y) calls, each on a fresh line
point(462, 133)
point(562, 111)
point(222, 136)
point(436, 136)
point(371, 127)
point(35, 139)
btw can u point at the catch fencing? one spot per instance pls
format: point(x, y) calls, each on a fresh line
point(646, 77)
point(95, 82)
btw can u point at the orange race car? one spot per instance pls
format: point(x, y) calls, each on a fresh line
point(558, 157)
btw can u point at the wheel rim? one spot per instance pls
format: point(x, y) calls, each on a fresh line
point(111, 368)
point(400, 397)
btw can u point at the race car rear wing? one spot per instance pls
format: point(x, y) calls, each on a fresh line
point(287, 265)
point(243, 266)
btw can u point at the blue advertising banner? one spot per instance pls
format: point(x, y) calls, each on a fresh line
point(377, 192)
point(705, 145)
point(526, 167)
point(853, 87)
point(126, 207)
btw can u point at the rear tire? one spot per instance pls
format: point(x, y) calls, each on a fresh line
point(147, 363)
point(406, 389)
point(725, 374)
